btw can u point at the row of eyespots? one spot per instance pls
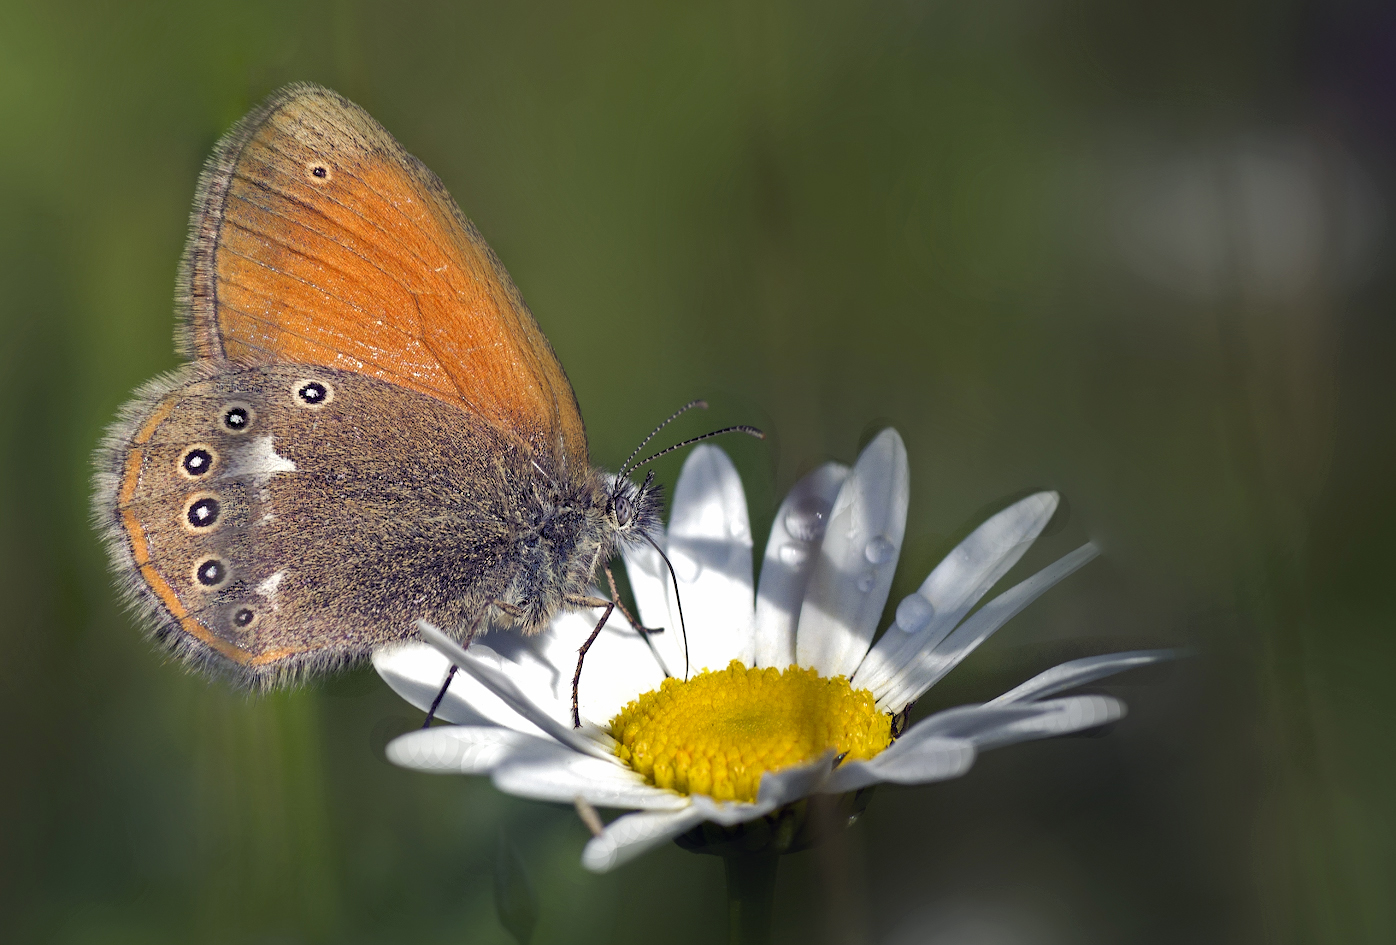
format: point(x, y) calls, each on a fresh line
point(238, 417)
point(200, 459)
point(202, 509)
point(213, 573)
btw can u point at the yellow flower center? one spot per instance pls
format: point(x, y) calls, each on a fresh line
point(717, 733)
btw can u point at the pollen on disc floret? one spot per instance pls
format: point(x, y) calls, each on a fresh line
point(717, 733)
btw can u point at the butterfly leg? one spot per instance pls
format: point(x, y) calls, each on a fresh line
point(512, 610)
point(615, 598)
point(451, 673)
point(435, 703)
point(645, 632)
point(582, 651)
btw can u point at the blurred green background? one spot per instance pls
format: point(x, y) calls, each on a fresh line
point(1136, 252)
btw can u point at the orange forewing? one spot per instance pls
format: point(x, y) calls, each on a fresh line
point(317, 238)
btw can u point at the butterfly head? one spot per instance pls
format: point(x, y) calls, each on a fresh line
point(632, 511)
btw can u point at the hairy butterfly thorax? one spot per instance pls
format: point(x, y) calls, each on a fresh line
point(565, 533)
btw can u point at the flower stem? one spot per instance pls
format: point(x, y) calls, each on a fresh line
point(751, 887)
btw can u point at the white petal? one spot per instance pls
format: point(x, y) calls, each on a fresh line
point(546, 771)
point(791, 554)
point(1082, 671)
point(528, 677)
point(627, 837)
point(927, 667)
point(619, 666)
point(791, 784)
point(416, 672)
point(945, 744)
point(991, 726)
point(931, 759)
point(966, 722)
point(650, 583)
point(459, 749)
point(853, 573)
point(499, 683)
point(730, 813)
point(1054, 717)
point(710, 549)
point(956, 585)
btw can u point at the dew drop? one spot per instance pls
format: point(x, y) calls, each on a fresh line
point(807, 518)
point(865, 583)
point(879, 550)
point(913, 613)
point(793, 553)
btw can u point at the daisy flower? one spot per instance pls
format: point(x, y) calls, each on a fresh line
point(787, 695)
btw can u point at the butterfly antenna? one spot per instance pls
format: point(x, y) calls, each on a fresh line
point(742, 428)
point(672, 577)
point(692, 404)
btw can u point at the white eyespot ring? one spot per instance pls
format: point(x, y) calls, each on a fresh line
point(312, 393)
point(211, 573)
point(196, 461)
point(243, 618)
point(236, 417)
point(203, 513)
point(319, 172)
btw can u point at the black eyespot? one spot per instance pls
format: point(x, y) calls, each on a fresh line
point(320, 172)
point(211, 572)
point(202, 513)
point(311, 393)
point(237, 418)
point(197, 461)
point(243, 617)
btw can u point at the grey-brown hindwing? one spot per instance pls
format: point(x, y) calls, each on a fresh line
point(275, 520)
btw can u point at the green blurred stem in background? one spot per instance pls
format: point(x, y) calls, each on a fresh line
point(751, 886)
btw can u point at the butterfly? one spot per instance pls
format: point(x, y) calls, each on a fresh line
point(372, 428)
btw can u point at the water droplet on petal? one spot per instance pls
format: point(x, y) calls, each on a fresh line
point(686, 569)
point(807, 518)
point(879, 550)
point(913, 613)
point(865, 583)
point(793, 553)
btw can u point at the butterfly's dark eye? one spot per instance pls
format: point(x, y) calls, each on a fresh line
point(313, 393)
point(202, 512)
point(210, 572)
point(625, 510)
point(237, 418)
point(196, 462)
point(244, 617)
